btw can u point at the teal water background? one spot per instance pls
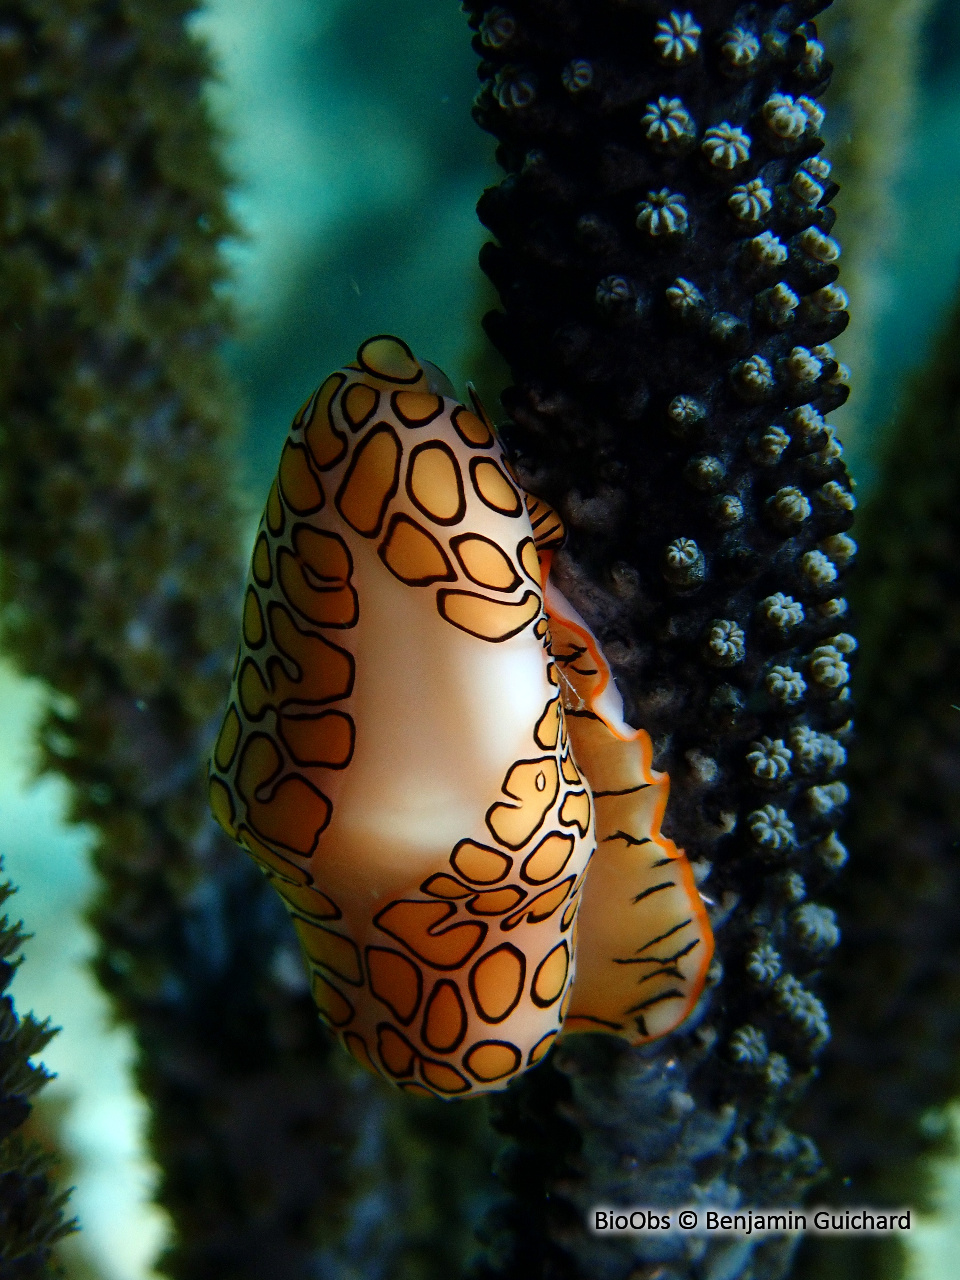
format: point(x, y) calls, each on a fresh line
point(358, 168)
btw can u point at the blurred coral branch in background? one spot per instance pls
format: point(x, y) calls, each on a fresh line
point(31, 1209)
point(121, 540)
point(873, 102)
point(879, 1110)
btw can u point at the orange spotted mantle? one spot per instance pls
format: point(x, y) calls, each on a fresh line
point(425, 761)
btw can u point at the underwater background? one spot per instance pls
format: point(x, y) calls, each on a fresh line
point(357, 168)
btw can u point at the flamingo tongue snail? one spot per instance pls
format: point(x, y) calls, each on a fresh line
point(425, 754)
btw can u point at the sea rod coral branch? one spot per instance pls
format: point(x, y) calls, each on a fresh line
point(665, 259)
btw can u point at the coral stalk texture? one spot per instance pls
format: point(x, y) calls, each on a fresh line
point(666, 267)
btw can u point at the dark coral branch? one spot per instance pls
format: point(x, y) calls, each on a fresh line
point(31, 1209)
point(667, 273)
point(895, 996)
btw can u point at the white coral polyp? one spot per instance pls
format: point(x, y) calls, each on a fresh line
point(828, 668)
point(785, 684)
point(725, 146)
point(772, 828)
point(666, 121)
point(784, 117)
point(750, 202)
point(740, 47)
point(782, 611)
point(677, 38)
point(663, 213)
point(769, 759)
